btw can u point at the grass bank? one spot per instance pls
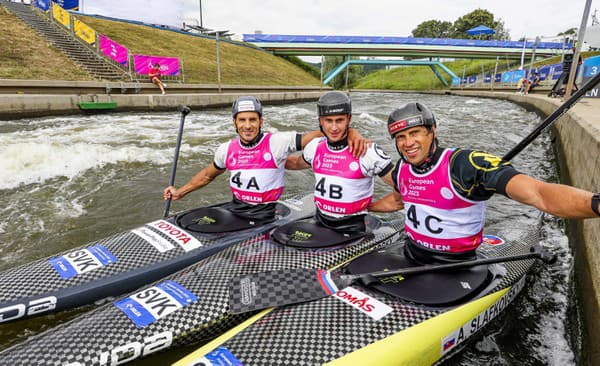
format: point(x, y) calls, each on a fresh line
point(422, 78)
point(26, 55)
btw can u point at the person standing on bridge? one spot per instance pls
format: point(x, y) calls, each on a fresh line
point(256, 161)
point(343, 182)
point(443, 191)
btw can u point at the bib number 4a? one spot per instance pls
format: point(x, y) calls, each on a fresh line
point(432, 223)
point(333, 191)
point(252, 183)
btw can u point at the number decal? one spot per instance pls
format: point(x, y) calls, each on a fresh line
point(335, 190)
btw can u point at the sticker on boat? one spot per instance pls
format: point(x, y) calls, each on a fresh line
point(151, 304)
point(82, 261)
point(363, 302)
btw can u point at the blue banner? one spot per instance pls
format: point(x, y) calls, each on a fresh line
point(43, 4)
point(472, 79)
point(517, 75)
point(591, 66)
point(498, 77)
point(507, 77)
point(487, 78)
point(544, 72)
point(68, 4)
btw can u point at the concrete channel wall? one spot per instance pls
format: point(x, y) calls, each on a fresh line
point(21, 99)
point(578, 150)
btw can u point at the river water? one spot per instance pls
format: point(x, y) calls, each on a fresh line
point(65, 181)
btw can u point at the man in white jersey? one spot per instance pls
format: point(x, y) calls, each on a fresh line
point(343, 183)
point(443, 191)
point(256, 161)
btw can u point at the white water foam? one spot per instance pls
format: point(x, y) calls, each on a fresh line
point(25, 163)
point(68, 146)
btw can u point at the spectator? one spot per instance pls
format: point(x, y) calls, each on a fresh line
point(155, 78)
point(523, 85)
point(533, 83)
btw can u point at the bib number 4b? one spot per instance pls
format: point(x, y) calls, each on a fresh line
point(333, 191)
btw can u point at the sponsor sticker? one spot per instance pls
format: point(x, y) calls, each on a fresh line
point(185, 240)
point(363, 302)
point(219, 357)
point(82, 261)
point(492, 240)
point(153, 238)
point(461, 334)
point(151, 304)
point(181, 237)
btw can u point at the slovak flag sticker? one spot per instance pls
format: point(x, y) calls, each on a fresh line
point(492, 240)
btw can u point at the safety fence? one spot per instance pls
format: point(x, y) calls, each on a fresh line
point(547, 74)
point(134, 65)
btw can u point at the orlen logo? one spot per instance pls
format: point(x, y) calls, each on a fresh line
point(363, 302)
point(185, 240)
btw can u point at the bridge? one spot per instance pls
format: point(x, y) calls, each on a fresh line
point(306, 45)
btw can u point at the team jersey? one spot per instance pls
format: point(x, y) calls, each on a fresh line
point(445, 206)
point(257, 172)
point(343, 183)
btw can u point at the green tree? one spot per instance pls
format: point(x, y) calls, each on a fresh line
point(339, 82)
point(433, 29)
point(479, 17)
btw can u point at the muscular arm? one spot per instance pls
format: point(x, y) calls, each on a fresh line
point(202, 178)
point(556, 199)
point(309, 136)
point(296, 162)
point(391, 202)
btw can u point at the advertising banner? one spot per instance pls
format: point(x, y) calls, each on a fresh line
point(68, 4)
point(43, 4)
point(84, 31)
point(113, 50)
point(168, 65)
point(61, 15)
point(591, 67)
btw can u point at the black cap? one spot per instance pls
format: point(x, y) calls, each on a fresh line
point(333, 103)
point(409, 115)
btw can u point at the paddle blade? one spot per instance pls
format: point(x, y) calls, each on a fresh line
point(277, 288)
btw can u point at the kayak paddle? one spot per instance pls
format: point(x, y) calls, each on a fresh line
point(278, 288)
point(185, 110)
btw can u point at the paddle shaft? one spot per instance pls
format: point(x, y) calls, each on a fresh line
point(368, 277)
point(185, 110)
point(552, 118)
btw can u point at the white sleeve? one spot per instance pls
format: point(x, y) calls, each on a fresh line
point(374, 161)
point(310, 150)
point(221, 155)
point(282, 144)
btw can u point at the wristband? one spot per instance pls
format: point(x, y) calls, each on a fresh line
point(596, 203)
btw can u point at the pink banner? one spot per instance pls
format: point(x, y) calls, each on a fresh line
point(168, 65)
point(113, 50)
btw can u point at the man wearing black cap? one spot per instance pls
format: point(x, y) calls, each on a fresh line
point(443, 191)
point(343, 182)
point(256, 161)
